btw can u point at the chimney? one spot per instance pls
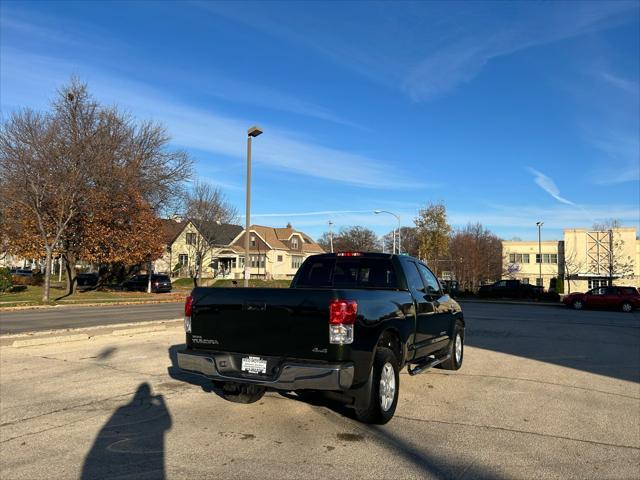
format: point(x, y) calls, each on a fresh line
point(289, 225)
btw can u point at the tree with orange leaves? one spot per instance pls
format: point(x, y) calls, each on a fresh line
point(86, 181)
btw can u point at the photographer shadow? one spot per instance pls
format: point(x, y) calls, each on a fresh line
point(132, 442)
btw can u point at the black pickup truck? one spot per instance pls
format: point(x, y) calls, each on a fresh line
point(346, 327)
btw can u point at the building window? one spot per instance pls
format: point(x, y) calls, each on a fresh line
point(253, 240)
point(539, 282)
point(518, 258)
point(598, 282)
point(525, 280)
point(296, 261)
point(279, 258)
point(547, 258)
point(294, 243)
point(241, 262)
point(191, 238)
point(183, 260)
point(257, 261)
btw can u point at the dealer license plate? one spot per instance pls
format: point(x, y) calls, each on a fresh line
point(254, 365)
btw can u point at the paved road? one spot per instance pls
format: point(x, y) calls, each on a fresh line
point(76, 317)
point(543, 393)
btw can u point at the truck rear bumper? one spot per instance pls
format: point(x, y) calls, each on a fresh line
point(289, 375)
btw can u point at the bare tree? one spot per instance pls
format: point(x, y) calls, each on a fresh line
point(410, 242)
point(206, 207)
point(352, 239)
point(571, 268)
point(52, 164)
point(608, 224)
point(475, 255)
point(43, 173)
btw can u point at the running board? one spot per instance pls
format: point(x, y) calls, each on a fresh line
point(432, 362)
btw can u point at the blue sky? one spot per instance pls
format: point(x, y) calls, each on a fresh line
point(510, 113)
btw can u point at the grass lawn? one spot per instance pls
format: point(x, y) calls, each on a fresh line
point(33, 296)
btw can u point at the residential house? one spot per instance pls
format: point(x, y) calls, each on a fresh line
point(187, 240)
point(273, 252)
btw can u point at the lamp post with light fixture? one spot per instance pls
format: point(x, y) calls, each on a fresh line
point(331, 234)
point(539, 224)
point(394, 235)
point(251, 133)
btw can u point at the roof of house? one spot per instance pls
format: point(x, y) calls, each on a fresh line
point(170, 230)
point(275, 238)
point(218, 234)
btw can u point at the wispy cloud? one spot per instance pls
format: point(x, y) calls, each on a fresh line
point(426, 63)
point(548, 185)
point(193, 127)
point(16, 24)
point(608, 107)
point(310, 214)
point(507, 218)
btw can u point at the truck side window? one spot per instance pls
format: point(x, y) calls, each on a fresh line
point(433, 287)
point(414, 280)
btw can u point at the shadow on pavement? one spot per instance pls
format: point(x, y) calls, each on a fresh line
point(429, 465)
point(600, 342)
point(131, 443)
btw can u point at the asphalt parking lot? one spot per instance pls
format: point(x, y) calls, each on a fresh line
point(543, 393)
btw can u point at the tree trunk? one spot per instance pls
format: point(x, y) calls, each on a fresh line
point(70, 266)
point(47, 275)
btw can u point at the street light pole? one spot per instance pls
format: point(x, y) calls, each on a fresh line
point(331, 235)
point(539, 224)
point(394, 231)
point(252, 132)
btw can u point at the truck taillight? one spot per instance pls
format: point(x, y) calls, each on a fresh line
point(342, 317)
point(188, 305)
point(349, 254)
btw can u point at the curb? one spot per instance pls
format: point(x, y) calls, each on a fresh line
point(71, 305)
point(73, 335)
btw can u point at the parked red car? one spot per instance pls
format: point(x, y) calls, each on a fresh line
point(618, 298)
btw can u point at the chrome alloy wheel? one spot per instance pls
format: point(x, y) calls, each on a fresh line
point(577, 305)
point(387, 386)
point(458, 348)
point(626, 307)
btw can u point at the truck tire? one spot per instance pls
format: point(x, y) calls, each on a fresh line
point(240, 392)
point(384, 385)
point(456, 350)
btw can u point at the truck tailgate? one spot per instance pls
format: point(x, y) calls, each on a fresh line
point(262, 321)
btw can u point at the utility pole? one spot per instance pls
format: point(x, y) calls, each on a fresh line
point(539, 224)
point(611, 267)
point(331, 235)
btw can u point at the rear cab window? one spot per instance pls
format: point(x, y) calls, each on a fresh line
point(347, 272)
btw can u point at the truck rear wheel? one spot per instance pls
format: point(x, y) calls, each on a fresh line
point(240, 392)
point(456, 350)
point(384, 385)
